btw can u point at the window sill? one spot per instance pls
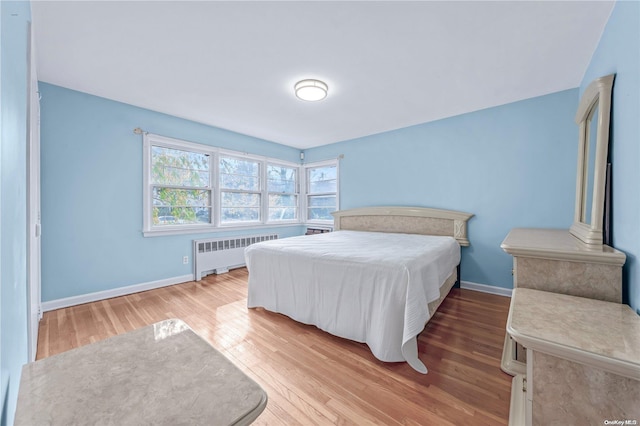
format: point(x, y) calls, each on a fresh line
point(320, 223)
point(218, 229)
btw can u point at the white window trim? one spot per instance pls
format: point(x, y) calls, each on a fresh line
point(214, 153)
point(260, 190)
point(150, 140)
point(305, 191)
point(298, 192)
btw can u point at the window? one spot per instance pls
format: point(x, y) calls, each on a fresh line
point(322, 191)
point(180, 186)
point(282, 188)
point(240, 190)
point(190, 187)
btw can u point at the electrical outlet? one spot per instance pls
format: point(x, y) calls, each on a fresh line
point(185, 260)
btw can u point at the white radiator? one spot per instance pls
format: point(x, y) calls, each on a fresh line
point(221, 254)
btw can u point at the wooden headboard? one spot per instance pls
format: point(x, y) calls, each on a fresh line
point(405, 220)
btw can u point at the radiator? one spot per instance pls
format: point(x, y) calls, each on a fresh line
point(221, 254)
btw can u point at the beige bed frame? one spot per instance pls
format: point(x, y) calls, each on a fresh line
point(405, 220)
point(409, 220)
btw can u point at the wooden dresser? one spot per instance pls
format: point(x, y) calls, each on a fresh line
point(554, 262)
point(581, 364)
point(583, 360)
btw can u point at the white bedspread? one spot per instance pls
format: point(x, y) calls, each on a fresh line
point(369, 287)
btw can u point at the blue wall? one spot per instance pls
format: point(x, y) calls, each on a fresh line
point(619, 52)
point(511, 166)
point(13, 202)
point(92, 193)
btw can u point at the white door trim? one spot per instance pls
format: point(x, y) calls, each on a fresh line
point(33, 201)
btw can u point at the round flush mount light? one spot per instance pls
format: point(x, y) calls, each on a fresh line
point(311, 90)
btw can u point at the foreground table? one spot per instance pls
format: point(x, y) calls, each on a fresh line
point(162, 374)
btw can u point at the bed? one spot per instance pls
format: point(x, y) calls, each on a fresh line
point(377, 279)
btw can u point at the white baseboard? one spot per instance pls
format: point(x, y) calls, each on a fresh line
point(500, 291)
point(108, 294)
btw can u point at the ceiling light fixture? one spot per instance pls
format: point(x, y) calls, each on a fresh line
point(311, 90)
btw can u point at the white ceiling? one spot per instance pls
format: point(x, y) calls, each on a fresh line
point(388, 64)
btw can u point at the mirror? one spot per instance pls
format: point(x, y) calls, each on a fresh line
point(590, 156)
point(593, 145)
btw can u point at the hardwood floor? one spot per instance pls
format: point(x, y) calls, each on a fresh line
point(312, 377)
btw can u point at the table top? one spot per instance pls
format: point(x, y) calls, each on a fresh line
point(601, 334)
point(558, 244)
point(162, 374)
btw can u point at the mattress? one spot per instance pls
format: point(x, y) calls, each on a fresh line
point(369, 287)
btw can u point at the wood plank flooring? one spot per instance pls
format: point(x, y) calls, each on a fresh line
point(312, 377)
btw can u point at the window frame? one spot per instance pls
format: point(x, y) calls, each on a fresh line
point(307, 194)
point(149, 230)
point(259, 191)
point(298, 169)
point(150, 141)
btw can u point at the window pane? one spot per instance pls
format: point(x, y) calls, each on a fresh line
point(180, 168)
point(240, 214)
point(203, 215)
point(283, 207)
point(320, 207)
point(280, 200)
point(323, 179)
point(281, 179)
point(238, 207)
point(239, 174)
point(174, 197)
point(178, 216)
point(322, 201)
point(179, 206)
point(283, 213)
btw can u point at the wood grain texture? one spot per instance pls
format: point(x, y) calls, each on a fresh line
point(311, 376)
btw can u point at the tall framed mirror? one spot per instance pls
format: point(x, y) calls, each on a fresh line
point(592, 117)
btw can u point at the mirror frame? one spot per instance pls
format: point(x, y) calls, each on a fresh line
point(598, 93)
